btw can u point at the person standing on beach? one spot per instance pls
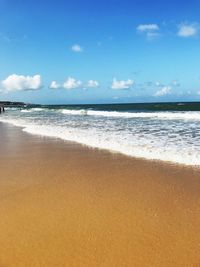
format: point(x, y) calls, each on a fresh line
point(2, 109)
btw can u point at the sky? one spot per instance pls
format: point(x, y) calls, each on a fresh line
point(99, 51)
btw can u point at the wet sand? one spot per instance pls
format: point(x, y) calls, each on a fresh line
point(63, 204)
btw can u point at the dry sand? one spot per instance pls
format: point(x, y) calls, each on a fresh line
point(62, 204)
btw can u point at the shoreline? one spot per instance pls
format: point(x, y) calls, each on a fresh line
point(158, 161)
point(65, 204)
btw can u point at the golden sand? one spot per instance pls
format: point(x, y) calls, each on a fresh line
point(63, 204)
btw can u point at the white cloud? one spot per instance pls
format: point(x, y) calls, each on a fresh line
point(151, 31)
point(92, 84)
point(163, 91)
point(147, 27)
point(72, 83)
point(16, 82)
point(77, 48)
point(188, 30)
point(54, 85)
point(122, 84)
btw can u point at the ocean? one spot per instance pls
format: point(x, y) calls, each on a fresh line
point(157, 131)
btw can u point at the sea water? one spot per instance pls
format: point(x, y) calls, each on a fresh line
point(168, 132)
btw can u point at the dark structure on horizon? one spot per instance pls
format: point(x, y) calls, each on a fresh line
point(6, 104)
point(11, 104)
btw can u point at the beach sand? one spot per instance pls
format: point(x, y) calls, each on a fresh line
point(63, 204)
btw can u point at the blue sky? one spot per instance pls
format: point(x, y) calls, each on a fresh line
point(99, 51)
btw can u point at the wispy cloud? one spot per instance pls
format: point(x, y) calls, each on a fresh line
point(5, 38)
point(147, 27)
point(8, 39)
point(72, 83)
point(123, 84)
point(163, 91)
point(151, 31)
point(187, 30)
point(77, 48)
point(92, 84)
point(16, 82)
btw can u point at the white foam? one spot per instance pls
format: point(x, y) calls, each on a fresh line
point(192, 115)
point(31, 110)
point(136, 148)
point(37, 109)
point(162, 137)
point(92, 139)
point(26, 110)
